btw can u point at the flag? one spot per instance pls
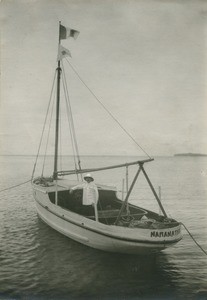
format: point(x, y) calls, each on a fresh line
point(63, 52)
point(66, 32)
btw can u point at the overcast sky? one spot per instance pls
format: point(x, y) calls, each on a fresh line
point(144, 59)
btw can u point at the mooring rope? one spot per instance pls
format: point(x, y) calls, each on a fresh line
point(14, 186)
point(194, 239)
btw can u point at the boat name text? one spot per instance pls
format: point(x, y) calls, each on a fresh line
point(165, 234)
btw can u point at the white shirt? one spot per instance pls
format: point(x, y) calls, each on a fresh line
point(90, 192)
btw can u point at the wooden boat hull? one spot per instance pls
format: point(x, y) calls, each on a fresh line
point(104, 237)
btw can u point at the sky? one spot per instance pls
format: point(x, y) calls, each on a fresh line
point(145, 60)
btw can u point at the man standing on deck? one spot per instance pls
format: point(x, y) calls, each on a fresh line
point(90, 193)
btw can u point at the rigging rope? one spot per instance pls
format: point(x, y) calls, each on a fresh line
point(69, 115)
point(112, 116)
point(194, 239)
point(43, 129)
point(60, 139)
point(50, 122)
point(70, 129)
point(70, 121)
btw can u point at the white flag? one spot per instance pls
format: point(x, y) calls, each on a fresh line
point(63, 52)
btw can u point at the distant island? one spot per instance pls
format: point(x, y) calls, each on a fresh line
point(190, 154)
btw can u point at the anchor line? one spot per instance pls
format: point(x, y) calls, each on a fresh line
point(194, 239)
point(14, 186)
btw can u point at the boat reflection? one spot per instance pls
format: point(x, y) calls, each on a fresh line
point(82, 271)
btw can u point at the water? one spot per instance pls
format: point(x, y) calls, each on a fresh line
point(37, 262)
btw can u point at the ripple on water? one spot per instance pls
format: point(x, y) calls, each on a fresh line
point(36, 261)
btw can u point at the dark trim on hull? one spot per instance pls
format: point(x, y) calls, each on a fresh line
point(108, 235)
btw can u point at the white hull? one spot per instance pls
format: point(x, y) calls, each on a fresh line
point(101, 236)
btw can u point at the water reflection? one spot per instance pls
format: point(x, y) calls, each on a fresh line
point(51, 266)
point(61, 267)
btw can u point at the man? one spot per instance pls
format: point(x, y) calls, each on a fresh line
point(90, 193)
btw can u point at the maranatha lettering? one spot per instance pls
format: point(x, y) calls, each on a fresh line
point(165, 234)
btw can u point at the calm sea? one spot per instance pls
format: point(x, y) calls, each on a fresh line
point(36, 262)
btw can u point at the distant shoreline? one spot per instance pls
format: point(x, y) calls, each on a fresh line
point(190, 154)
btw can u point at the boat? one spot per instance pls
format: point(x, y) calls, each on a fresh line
point(112, 224)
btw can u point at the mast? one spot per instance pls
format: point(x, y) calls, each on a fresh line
point(59, 70)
